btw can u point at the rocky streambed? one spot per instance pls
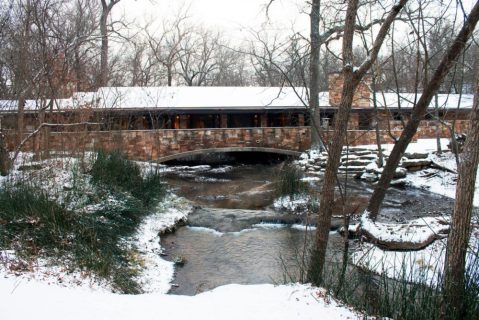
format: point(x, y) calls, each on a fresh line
point(236, 233)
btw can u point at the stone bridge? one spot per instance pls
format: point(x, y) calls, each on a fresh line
point(164, 145)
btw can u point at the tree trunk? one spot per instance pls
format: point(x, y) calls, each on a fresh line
point(438, 125)
point(104, 68)
point(376, 127)
point(351, 81)
point(326, 203)
point(314, 74)
point(104, 48)
point(419, 111)
point(457, 244)
point(170, 74)
point(5, 162)
point(22, 72)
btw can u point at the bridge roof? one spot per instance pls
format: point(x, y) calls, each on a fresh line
point(217, 98)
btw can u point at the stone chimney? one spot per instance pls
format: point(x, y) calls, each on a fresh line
point(361, 97)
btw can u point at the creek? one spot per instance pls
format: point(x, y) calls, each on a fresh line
point(235, 235)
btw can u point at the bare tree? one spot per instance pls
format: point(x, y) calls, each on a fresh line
point(458, 240)
point(231, 67)
point(105, 13)
point(166, 48)
point(197, 57)
point(314, 72)
point(352, 78)
point(420, 109)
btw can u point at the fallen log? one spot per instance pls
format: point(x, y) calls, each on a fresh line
point(414, 235)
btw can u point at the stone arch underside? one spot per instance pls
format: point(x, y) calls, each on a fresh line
point(225, 150)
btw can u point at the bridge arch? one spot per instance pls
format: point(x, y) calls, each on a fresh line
point(225, 150)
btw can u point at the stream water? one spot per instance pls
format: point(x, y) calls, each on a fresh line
point(235, 235)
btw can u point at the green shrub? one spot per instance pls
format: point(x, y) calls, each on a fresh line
point(119, 174)
point(289, 183)
point(34, 225)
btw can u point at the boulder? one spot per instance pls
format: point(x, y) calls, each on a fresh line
point(356, 162)
point(370, 157)
point(400, 173)
point(416, 155)
point(370, 177)
point(415, 164)
point(398, 183)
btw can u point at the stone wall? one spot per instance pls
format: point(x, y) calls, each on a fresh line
point(155, 144)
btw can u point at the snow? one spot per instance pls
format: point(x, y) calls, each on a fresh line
point(445, 101)
point(415, 231)
point(292, 204)
point(422, 266)
point(157, 273)
point(217, 97)
point(417, 266)
point(31, 300)
point(206, 230)
point(440, 181)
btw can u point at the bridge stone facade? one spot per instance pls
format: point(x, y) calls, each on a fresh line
point(164, 145)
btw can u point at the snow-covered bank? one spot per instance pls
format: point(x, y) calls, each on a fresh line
point(65, 183)
point(32, 300)
point(157, 273)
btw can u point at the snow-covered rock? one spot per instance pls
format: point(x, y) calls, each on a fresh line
point(415, 234)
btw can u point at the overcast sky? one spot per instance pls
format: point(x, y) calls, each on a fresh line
point(233, 17)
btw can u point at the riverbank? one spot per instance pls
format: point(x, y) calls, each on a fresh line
point(53, 291)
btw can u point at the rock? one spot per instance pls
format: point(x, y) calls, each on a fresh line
point(372, 167)
point(398, 183)
point(370, 157)
point(414, 164)
point(365, 153)
point(400, 173)
point(370, 177)
point(349, 157)
point(314, 168)
point(179, 261)
point(416, 155)
point(357, 149)
point(356, 162)
point(352, 168)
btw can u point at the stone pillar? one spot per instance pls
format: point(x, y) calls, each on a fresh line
point(301, 120)
point(362, 94)
point(353, 123)
point(264, 120)
point(223, 121)
point(184, 121)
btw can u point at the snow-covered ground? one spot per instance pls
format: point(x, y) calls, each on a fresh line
point(34, 300)
point(47, 291)
point(437, 181)
point(423, 266)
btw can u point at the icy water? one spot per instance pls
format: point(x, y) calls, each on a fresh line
point(235, 235)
